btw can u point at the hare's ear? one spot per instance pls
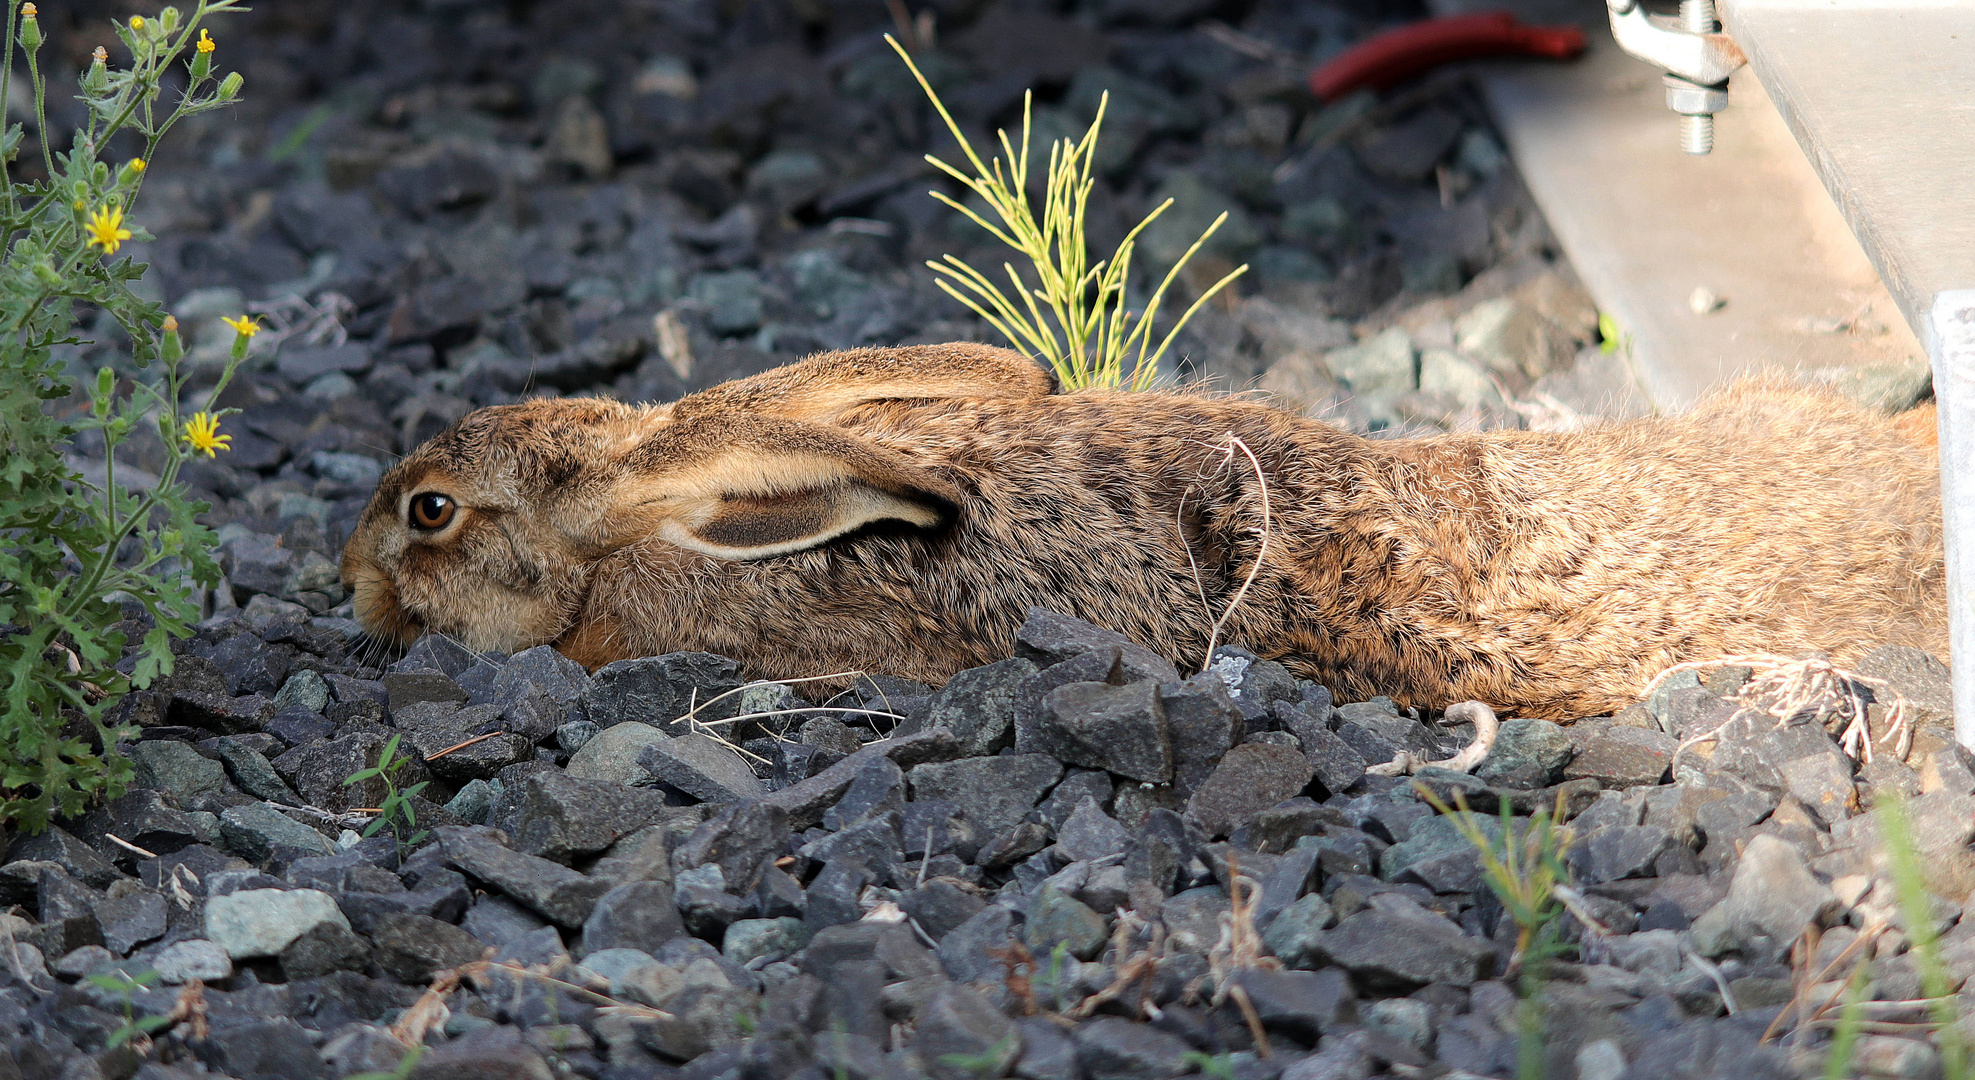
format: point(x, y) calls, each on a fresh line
point(823, 386)
point(752, 487)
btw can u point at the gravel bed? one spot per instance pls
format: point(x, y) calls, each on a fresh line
point(451, 204)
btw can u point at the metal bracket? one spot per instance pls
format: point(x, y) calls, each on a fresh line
point(1695, 55)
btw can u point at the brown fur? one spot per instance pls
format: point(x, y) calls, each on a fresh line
point(1548, 575)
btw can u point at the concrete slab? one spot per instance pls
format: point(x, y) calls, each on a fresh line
point(1645, 224)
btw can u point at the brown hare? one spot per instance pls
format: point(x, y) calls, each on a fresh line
point(899, 510)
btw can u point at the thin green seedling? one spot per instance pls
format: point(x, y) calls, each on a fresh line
point(1851, 1020)
point(395, 811)
point(1923, 942)
point(1218, 1066)
point(1523, 868)
point(987, 1063)
point(402, 1071)
point(1076, 317)
point(126, 986)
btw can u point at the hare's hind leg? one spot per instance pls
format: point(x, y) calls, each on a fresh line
point(823, 386)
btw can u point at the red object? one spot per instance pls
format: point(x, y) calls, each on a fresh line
point(1395, 56)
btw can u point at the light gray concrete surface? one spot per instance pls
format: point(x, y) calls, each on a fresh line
point(1645, 225)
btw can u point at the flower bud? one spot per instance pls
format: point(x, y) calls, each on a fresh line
point(229, 87)
point(202, 65)
point(168, 20)
point(44, 272)
point(30, 29)
point(98, 77)
point(137, 22)
point(132, 171)
point(171, 347)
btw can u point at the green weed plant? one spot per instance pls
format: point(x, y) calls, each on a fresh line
point(395, 812)
point(73, 550)
point(1076, 315)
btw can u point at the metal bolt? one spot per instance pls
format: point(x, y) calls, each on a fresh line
point(1697, 17)
point(1697, 134)
point(1697, 121)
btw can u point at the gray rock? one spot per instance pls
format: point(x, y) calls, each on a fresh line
point(1335, 763)
point(1118, 728)
point(1295, 934)
point(554, 891)
point(300, 366)
point(939, 905)
point(267, 1049)
point(1250, 778)
point(475, 800)
point(1387, 949)
point(1114, 1048)
point(562, 818)
point(1049, 638)
point(1344, 1056)
point(1461, 381)
point(1526, 754)
point(1300, 1004)
point(251, 772)
point(806, 800)
point(168, 765)
point(658, 690)
point(702, 767)
point(129, 917)
point(327, 948)
point(978, 706)
point(1823, 783)
point(254, 830)
point(995, 793)
point(732, 298)
point(1057, 918)
point(613, 754)
point(462, 744)
point(1254, 684)
point(1381, 364)
point(962, 1036)
point(1512, 340)
point(1193, 918)
point(1618, 851)
point(1772, 898)
point(1196, 203)
point(878, 788)
point(261, 922)
point(411, 947)
point(1202, 722)
point(305, 690)
point(751, 940)
point(635, 915)
point(1915, 676)
point(1090, 833)
point(403, 689)
point(61, 847)
point(738, 839)
point(193, 958)
point(1624, 757)
point(968, 952)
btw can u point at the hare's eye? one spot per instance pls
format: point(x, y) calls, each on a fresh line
point(431, 510)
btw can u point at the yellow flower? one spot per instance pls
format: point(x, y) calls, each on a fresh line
point(136, 164)
point(206, 44)
point(105, 228)
point(137, 22)
point(245, 326)
point(202, 431)
point(28, 11)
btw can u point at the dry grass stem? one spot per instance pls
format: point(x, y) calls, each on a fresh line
point(428, 1012)
point(463, 745)
point(1804, 946)
point(1132, 968)
point(190, 1010)
point(1486, 729)
point(1786, 688)
point(793, 712)
point(1228, 448)
point(1018, 970)
point(128, 846)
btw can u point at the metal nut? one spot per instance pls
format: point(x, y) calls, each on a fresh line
point(1693, 99)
